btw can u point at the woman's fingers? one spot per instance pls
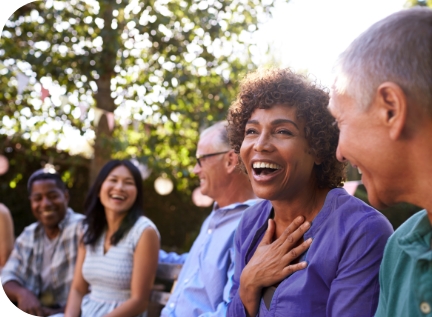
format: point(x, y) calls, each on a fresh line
point(292, 228)
point(297, 251)
point(295, 236)
point(268, 236)
point(290, 269)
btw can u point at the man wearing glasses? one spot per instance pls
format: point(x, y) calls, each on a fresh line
point(38, 274)
point(204, 282)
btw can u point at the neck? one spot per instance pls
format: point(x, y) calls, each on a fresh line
point(237, 190)
point(52, 233)
point(307, 204)
point(417, 184)
point(113, 221)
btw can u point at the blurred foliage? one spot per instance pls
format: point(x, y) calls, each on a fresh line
point(26, 157)
point(165, 68)
point(422, 3)
point(176, 217)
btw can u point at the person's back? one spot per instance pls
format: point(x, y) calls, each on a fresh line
point(382, 101)
point(205, 280)
point(6, 234)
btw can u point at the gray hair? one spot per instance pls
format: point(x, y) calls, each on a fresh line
point(222, 142)
point(397, 49)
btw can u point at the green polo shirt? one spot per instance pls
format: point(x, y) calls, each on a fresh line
point(406, 271)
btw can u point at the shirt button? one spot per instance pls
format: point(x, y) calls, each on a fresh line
point(209, 231)
point(172, 305)
point(186, 280)
point(425, 308)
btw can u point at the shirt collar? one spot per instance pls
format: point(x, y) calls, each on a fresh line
point(417, 242)
point(248, 203)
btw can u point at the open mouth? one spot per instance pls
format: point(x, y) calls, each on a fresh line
point(264, 168)
point(118, 197)
point(48, 212)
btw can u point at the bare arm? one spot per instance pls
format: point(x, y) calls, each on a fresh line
point(25, 299)
point(79, 286)
point(143, 274)
point(271, 262)
point(7, 234)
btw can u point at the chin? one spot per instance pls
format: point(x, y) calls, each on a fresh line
point(263, 194)
point(204, 191)
point(377, 202)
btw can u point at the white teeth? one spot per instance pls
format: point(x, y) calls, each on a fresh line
point(266, 165)
point(359, 170)
point(118, 197)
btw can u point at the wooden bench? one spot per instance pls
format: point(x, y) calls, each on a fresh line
point(166, 278)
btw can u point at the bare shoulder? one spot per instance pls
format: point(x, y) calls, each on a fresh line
point(4, 211)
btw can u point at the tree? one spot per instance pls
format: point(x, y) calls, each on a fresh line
point(421, 3)
point(165, 68)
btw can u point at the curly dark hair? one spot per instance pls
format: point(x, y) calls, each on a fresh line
point(265, 88)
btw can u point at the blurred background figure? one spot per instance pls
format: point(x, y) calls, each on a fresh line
point(118, 255)
point(6, 235)
point(38, 274)
point(206, 277)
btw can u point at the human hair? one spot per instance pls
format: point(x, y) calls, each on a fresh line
point(95, 221)
point(45, 174)
point(396, 49)
point(222, 142)
point(264, 89)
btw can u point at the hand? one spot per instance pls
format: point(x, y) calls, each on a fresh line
point(51, 311)
point(270, 263)
point(30, 304)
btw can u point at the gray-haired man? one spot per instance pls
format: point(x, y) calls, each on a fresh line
point(382, 102)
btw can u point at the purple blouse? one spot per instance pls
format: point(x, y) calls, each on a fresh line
point(341, 278)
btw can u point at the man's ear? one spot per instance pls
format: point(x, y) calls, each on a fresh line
point(392, 108)
point(232, 161)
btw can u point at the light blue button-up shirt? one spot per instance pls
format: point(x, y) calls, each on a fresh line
point(205, 280)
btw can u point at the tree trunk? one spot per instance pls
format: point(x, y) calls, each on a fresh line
point(103, 143)
point(102, 148)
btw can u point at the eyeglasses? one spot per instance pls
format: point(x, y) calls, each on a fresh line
point(200, 157)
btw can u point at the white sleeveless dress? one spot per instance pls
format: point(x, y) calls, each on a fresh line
point(109, 274)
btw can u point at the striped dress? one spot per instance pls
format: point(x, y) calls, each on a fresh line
point(109, 274)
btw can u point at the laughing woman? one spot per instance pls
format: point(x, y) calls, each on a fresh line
point(309, 249)
point(118, 257)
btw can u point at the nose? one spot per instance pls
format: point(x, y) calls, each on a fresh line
point(262, 143)
point(46, 202)
point(196, 168)
point(339, 155)
point(119, 185)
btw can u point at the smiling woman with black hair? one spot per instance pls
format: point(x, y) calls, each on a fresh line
point(118, 256)
point(286, 139)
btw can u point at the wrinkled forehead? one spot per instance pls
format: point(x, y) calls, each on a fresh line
point(210, 142)
point(207, 143)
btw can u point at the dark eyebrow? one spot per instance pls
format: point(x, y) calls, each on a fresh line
point(276, 122)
